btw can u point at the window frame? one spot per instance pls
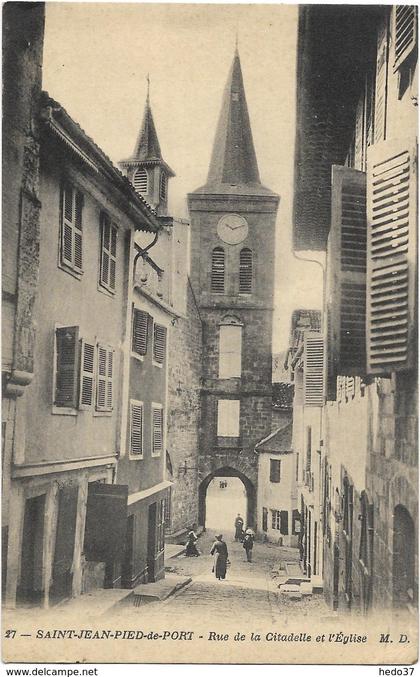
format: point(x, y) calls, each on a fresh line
point(213, 270)
point(144, 172)
point(58, 408)
point(107, 409)
point(275, 463)
point(157, 327)
point(134, 353)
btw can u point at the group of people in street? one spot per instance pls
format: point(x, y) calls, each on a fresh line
point(219, 548)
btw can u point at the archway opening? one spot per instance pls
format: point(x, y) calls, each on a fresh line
point(222, 495)
point(226, 497)
point(404, 592)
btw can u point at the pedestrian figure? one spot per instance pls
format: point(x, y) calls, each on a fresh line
point(239, 524)
point(220, 552)
point(248, 544)
point(191, 549)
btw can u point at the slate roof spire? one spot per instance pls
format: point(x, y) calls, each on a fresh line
point(233, 165)
point(147, 145)
point(233, 159)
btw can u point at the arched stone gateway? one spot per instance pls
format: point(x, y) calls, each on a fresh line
point(250, 489)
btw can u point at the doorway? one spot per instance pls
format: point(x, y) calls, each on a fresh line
point(127, 565)
point(151, 542)
point(226, 497)
point(404, 592)
point(30, 587)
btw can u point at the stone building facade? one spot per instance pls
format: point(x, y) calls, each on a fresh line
point(366, 221)
point(232, 277)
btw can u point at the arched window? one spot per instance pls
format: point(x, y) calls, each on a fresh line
point(140, 180)
point(163, 185)
point(218, 270)
point(245, 271)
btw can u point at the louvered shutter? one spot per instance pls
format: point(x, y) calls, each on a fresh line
point(67, 366)
point(245, 271)
point(405, 33)
point(71, 227)
point(313, 370)
point(381, 83)
point(157, 430)
point(359, 139)
point(109, 253)
point(218, 271)
point(104, 384)
point(140, 331)
point(87, 374)
point(78, 208)
point(392, 251)
point(136, 429)
point(159, 343)
point(346, 275)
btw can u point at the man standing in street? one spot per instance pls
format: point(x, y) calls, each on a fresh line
point(239, 525)
point(248, 544)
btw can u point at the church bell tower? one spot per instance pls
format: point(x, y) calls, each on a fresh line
point(232, 272)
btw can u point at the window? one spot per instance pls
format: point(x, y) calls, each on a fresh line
point(140, 332)
point(228, 418)
point(275, 468)
point(230, 351)
point(159, 343)
point(66, 368)
point(280, 521)
point(163, 186)
point(157, 429)
point(83, 372)
point(168, 508)
point(71, 228)
point(104, 391)
point(108, 253)
point(218, 271)
point(136, 428)
point(275, 519)
point(381, 83)
point(140, 181)
point(245, 271)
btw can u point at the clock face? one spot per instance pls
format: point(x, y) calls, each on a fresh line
point(232, 228)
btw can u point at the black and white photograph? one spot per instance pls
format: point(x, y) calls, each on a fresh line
point(209, 334)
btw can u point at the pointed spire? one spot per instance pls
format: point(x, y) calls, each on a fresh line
point(147, 146)
point(233, 160)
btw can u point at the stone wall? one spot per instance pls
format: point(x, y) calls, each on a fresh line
point(184, 417)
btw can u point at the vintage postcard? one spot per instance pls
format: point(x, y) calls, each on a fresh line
point(209, 321)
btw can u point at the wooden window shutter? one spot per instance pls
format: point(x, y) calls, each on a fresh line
point(159, 343)
point(392, 251)
point(345, 333)
point(71, 227)
point(157, 430)
point(136, 429)
point(108, 252)
point(245, 271)
point(313, 370)
point(284, 522)
point(381, 82)
point(140, 331)
point(87, 374)
point(67, 366)
point(218, 270)
point(405, 33)
point(104, 384)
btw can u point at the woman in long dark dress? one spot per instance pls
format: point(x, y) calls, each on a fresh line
point(191, 549)
point(220, 552)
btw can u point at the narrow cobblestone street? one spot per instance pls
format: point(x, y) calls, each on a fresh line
point(248, 593)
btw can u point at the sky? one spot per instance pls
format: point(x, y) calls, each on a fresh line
point(96, 60)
